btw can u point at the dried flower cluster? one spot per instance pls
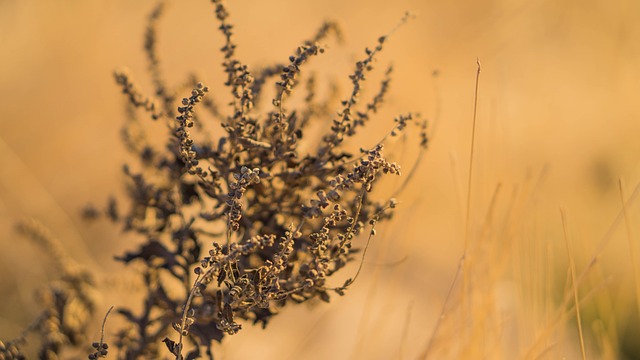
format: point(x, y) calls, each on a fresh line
point(246, 223)
point(68, 303)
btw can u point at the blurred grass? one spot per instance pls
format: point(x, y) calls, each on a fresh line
point(558, 91)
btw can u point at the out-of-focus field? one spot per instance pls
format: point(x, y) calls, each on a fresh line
point(557, 126)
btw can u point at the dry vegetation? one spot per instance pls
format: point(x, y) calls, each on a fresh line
point(274, 189)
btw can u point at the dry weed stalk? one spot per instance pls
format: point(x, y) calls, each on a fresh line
point(68, 303)
point(247, 224)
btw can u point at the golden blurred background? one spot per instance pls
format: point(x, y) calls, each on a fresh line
point(557, 126)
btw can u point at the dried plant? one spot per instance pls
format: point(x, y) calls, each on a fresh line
point(249, 222)
point(68, 303)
